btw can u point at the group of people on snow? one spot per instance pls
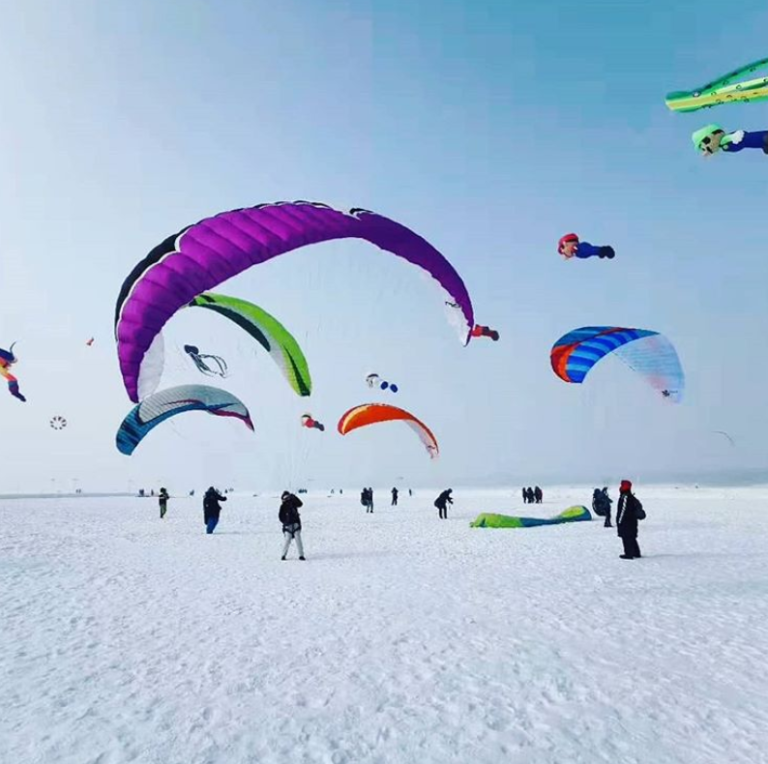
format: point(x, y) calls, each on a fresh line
point(366, 499)
point(629, 511)
point(533, 495)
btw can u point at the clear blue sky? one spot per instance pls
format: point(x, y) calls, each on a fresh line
point(491, 128)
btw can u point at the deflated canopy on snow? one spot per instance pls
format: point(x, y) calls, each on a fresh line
point(646, 352)
point(575, 514)
point(217, 248)
point(375, 413)
point(176, 400)
point(268, 332)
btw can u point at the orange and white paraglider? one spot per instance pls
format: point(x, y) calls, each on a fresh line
point(376, 413)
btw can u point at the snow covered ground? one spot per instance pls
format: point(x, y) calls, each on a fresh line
point(402, 639)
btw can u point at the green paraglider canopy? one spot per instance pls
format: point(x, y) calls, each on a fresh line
point(267, 331)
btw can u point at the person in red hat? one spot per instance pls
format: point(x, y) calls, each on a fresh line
point(629, 511)
point(569, 246)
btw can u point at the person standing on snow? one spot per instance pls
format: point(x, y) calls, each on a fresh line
point(599, 506)
point(291, 520)
point(629, 511)
point(212, 509)
point(162, 500)
point(395, 494)
point(605, 502)
point(538, 495)
point(442, 502)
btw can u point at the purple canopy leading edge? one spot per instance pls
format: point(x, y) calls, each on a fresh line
point(203, 255)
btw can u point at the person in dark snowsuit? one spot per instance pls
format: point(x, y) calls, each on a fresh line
point(529, 494)
point(629, 511)
point(442, 502)
point(395, 494)
point(291, 520)
point(370, 500)
point(601, 505)
point(212, 509)
point(538, 495)
point(162, 500)
point(525, 496)
point(598, 503)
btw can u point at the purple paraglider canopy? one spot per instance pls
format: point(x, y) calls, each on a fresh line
point(205, 254)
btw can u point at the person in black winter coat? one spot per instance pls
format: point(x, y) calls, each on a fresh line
point(291, 520)
point(601, 505)
point(395, 494)
point(608, 503)
point(529, 495)
point(629, 511)
point(212, 508)
point(162, 500)
point(442, 502)
point(538, 494)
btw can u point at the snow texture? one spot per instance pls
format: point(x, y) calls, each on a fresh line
point(401, 640)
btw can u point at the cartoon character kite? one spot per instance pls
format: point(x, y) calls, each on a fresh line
point(710, 139)
point(374, 380)
point(309, 422)
point(569, 246)
point(484, 331)
point(7, 359)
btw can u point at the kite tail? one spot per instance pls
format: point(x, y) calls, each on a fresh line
point(13, 387)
